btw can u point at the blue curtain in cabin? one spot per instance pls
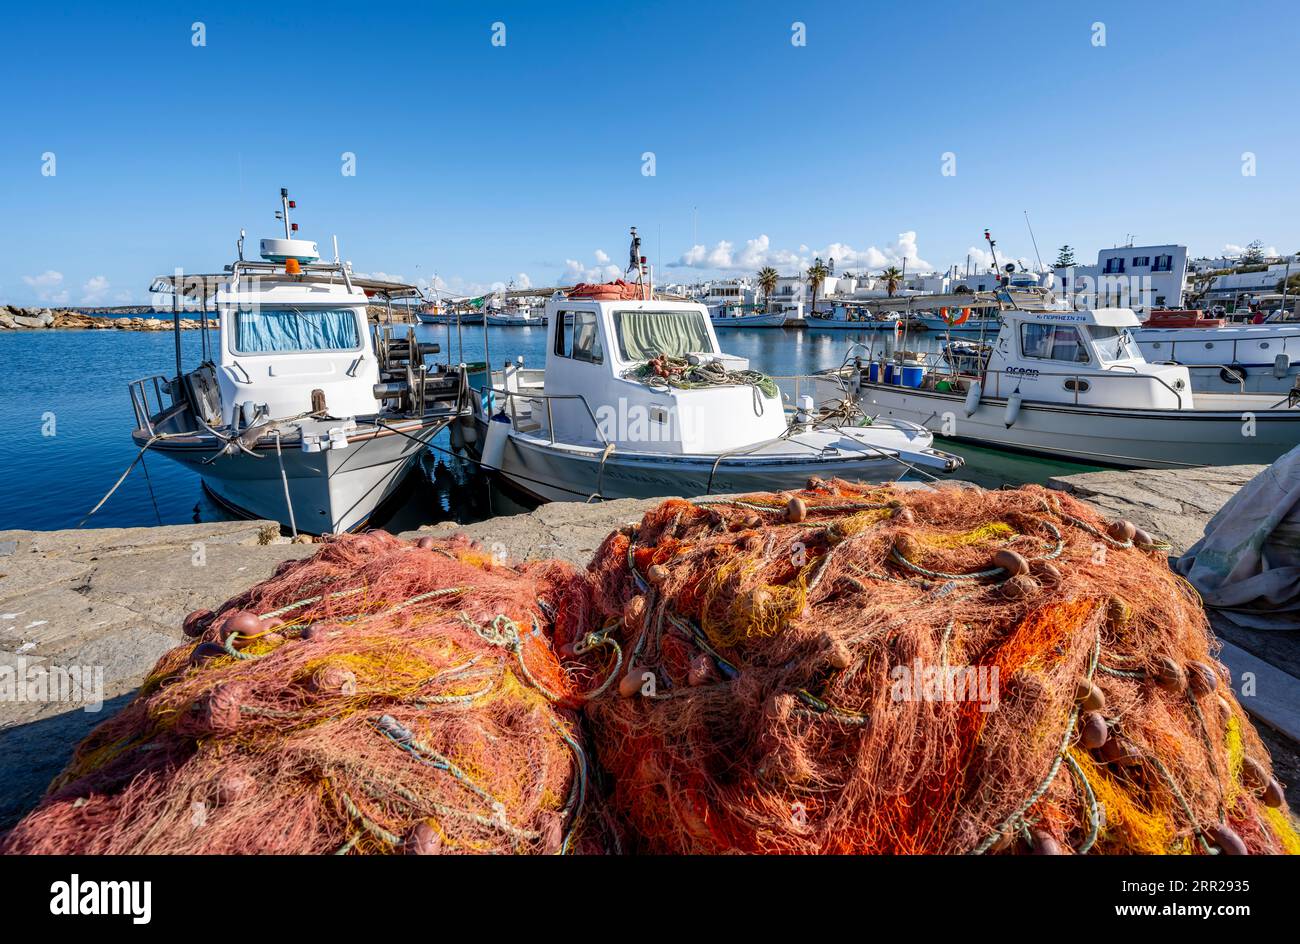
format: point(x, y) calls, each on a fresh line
point(281, 330)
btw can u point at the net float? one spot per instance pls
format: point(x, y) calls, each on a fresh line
point(1168, 674)
point(752, 603)
point(1081, 689)
point(907, 547)
point(796, 509)
point(904, 515)
point(205, 651)
point(426, 544)
point(754, 522)
point(1116, 750)
point(1121, 531)
point(1042, 842)
point(1011, 562)
point(1047, 574)
point(1202, 678)
point(1094, 732)
point(1021, 585)
point(1142, 538)
point(634, 612)
point(1226, 838)
point(838, 655)
point(1118, 612)
point(422, 840)
point(657, 574)
point(1254, 774)
point(1094, 699)
point(333, 679)
point(815, 482)
point(1003, 842)
point(1272, 795)
point(244, 622)
point(631, 683)
point(194, 624)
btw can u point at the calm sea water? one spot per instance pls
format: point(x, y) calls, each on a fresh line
point(67, 423)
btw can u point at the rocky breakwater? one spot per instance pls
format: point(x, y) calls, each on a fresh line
point(14, 318)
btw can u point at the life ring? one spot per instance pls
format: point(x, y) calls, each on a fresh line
point(1233, 375)
point(953, 319)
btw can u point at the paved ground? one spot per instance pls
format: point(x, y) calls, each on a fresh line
point(115, 597)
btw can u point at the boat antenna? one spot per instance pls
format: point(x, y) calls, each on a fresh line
point(285, 203)
point(1034, 241)
point(239, 244)
point(336, 249)
point(992, 248)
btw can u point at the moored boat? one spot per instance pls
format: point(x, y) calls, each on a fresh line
point(299, 414)
point(1074, 385)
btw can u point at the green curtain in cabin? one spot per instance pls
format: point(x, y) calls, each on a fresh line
point(643, 334)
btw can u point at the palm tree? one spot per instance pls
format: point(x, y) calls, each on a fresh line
point(893, 277)
point(817, 273)
point(767, 281)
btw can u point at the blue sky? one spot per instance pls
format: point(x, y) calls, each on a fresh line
point(480, 163)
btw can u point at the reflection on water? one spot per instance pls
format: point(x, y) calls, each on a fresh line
point(67, 439)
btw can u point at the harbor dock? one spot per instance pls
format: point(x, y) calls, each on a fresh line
point(113, 599)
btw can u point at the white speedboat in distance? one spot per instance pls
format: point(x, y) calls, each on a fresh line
point(298, 414)
point(1073, 384)
point(637, 400)
point(745, 316)
point(1225, 358)
point(849, 317)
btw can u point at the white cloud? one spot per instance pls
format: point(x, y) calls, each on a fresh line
point(602, 257)
point(380, 276)
point(48, 287)
point(523, 281)
point(575, 271)
point(94, 291)
point(758, 252)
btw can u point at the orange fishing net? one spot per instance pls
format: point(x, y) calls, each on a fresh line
point(879, 670)
point(377, 697)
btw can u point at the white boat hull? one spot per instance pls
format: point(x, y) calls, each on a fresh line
point(333, 491)
point(565, 472)
point(1129, 438)
point(1252, 350)
point(750, 321)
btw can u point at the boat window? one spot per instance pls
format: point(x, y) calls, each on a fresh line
point(644, 334)
point(563, 331)
point(1111, 343)
point(290, 330)
point(586, 338)
point(1053, 342)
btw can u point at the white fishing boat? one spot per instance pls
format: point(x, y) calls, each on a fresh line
point(638, 400)
point(297, 414)
point(520, 316)
point(1256, 358)
point(745, 316)
point(1074, 384)
point(956, 320)
point(846, 316)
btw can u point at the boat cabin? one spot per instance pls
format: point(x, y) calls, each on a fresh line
point(1084, 357)
point(601, 383)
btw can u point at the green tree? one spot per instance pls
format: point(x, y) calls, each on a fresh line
point(1064, 257)
point(767, 281)
point(817, 273)
point(1254, 253)
point(893, 277)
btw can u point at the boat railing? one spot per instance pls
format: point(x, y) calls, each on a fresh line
point(1278, 336)
point(511, 396)
point(139, 391)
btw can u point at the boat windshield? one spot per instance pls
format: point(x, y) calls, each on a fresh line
point(644, 334)
point(1111, 343)
point(296, 330)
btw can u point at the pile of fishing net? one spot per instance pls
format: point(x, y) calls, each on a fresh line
point(696, 373)
point(380, 696)
point(850, 669)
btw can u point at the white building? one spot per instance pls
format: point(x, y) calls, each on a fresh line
point(1137, 277)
